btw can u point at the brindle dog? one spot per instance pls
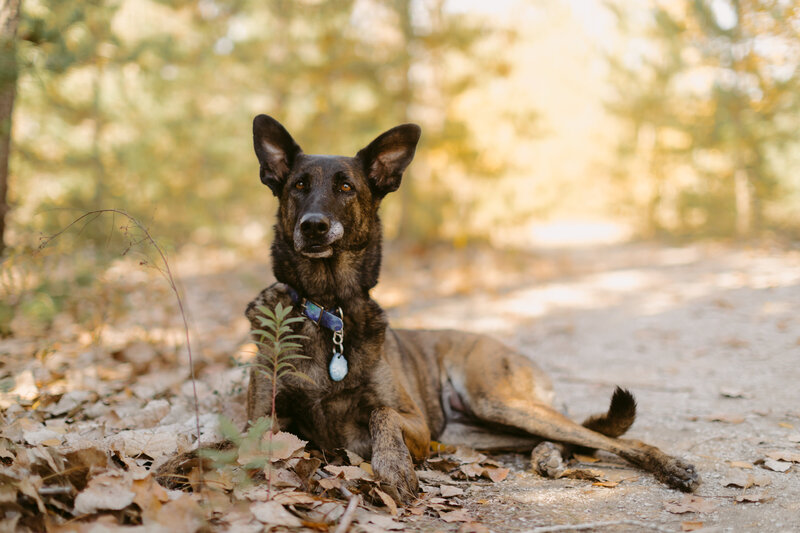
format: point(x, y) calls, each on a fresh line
point(402, 387)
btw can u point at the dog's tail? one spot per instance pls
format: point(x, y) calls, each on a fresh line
point(619, 418)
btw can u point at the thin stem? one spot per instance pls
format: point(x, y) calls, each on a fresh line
point(167, 274)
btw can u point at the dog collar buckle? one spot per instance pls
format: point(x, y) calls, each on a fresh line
point(315, 312)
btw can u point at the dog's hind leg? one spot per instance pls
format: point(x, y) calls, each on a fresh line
point(497, 388)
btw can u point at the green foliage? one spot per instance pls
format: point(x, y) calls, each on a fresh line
point(711, 102)
point(146, 106)
point(277, 344)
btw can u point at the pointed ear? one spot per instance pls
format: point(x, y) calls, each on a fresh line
point(276, 151)
point(387, 157)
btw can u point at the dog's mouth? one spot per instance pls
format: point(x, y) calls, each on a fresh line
point(317, 251)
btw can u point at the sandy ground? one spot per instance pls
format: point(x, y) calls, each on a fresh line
point(707, 337)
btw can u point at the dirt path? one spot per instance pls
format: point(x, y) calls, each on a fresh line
point(707, 338)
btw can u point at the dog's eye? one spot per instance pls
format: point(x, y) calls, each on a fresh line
point(300, 185)
point(345, 187)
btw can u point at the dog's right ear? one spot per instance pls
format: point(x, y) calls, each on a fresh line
point(276, 151)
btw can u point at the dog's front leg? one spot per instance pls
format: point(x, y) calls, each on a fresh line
point(397, 441)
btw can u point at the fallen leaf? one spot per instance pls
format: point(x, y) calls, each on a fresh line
point(785, 455)
point(741, 464)
point(786, 425)
point(730, 392)
point(589, 474)
point(468, 455)
point(776, 466)
point(284, 445)
point(460, 515)
point(273, 514)
point(472, 470)
point(473, 527)
point(183, 515)
point(448, 491)
point(330, 483)
point(728, 419)
point(606, 484)
point(746, 481)
point(387, 501)
point(691, 526)
point(380, 520)
point(753, 497)
point(294, 498)
point(585, 458)
point(354, 458)
point(495, 474)
point(690, 504)
point(794, 437)
point(348, 473)
point(149, 496)
point(108, 491)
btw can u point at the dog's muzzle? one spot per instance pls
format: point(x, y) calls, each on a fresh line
point(315, 233)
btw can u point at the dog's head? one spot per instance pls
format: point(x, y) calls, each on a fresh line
point(327, 203)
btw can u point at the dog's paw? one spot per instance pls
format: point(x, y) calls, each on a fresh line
point(680, 475)
point(547, 460)
point(395, 470)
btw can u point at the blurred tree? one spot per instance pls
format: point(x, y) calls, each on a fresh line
point(9, 19)
point(146, 105)
point(711, 96)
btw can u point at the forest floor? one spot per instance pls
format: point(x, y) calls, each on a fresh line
point(706, 336)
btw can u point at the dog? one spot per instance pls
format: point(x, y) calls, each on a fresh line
point(385, 393)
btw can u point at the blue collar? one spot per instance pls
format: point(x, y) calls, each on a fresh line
point(315, 312)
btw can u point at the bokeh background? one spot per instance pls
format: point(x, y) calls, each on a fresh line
point(547, 123)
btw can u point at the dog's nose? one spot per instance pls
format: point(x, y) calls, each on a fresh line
point(314, 225)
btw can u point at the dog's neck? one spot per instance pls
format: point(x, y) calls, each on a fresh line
point(344, 279)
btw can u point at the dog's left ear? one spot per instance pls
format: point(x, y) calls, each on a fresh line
point(276, 151)
point(387, 157)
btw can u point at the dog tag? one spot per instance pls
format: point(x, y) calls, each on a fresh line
point(338, 367)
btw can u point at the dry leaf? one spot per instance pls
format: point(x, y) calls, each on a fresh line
point(585, 458)
point(284, 445)
point(149, 496)
point(354, 458)
point(776, 466)
point(606, 484)
point(729, 419)
point(794, 437)
point(348, 473)
point(183, 515)
point(387, 501)
point(294, 498)
point(330, 483)
point(472, 470)
point(690, 504)
point(460, 515)
point(691, 526)
point(448, 491)
point(495, 474)
point(109, 491)
point(786, 425)
point(753, 497)
point(785, 455)
point(272, 513)
point(381, 520)
point(746, 481)
point(741, 464)
point(468, 455)
point(473, 527)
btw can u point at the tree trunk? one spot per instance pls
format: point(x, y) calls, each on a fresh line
point(9, 19)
